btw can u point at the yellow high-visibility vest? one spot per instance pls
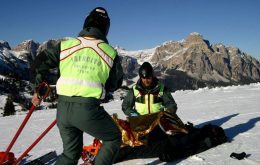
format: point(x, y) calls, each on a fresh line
point(148, 103)
point(85, 64)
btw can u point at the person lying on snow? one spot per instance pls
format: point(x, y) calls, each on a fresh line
point(159, 135)
point(163, 135)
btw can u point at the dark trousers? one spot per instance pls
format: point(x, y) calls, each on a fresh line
point(75, 118)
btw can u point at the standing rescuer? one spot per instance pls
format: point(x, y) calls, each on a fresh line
point(89, 67)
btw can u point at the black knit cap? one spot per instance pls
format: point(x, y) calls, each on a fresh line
point(146, 70)
point(98, 18)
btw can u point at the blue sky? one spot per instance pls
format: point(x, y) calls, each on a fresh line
point(136, 24)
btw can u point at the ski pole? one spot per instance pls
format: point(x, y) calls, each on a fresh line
point(43, 96)
point(35, 142)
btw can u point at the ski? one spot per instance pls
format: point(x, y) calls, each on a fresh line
point(48, 158)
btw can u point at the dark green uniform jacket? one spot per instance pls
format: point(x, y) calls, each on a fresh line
point(129, 101)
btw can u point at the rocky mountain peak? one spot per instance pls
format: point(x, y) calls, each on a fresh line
point(196, 41)
point(198, 61)
point(117, 47)
point(4, 44)
point(49, 44)
point(194, 37)
point(234, 51)
point(28, 45)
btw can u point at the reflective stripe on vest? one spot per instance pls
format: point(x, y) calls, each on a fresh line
point(86, 43)
point(84, 67)
point(148, 103)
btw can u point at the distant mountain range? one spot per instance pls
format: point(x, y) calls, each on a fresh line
point(187, 64)
point(194, 63)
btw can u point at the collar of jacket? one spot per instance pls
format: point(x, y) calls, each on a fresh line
point(154, 88)
point(93, 32)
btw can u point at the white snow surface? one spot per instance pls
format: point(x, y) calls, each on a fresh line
point(235, 108)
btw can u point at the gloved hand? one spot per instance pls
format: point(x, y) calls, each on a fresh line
point(171, 111)
point(134, 114)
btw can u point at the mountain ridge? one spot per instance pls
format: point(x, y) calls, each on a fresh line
point(190, 63)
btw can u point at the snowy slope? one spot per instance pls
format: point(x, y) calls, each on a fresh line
point(235, 108)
